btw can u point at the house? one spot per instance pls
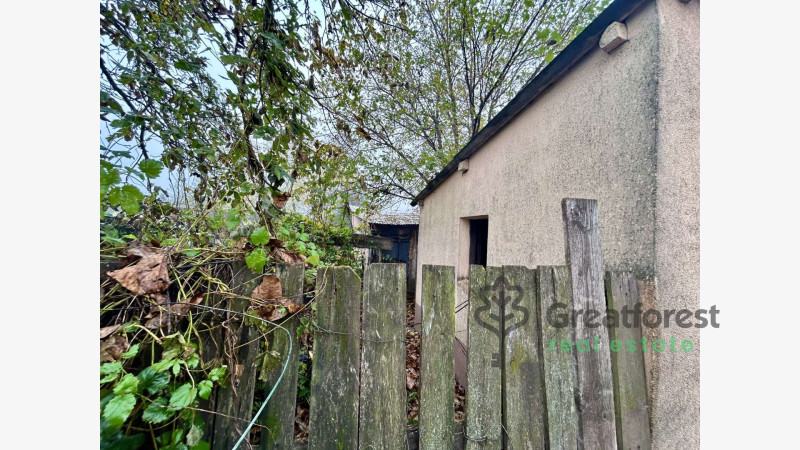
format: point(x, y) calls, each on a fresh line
point(614, 117)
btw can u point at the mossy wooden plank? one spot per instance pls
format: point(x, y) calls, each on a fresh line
point(235, 401)
point(333, 421)
point(437, 363)
point(630, 386)
point(524, 409)
point(278, 416)
point(559, 375)
point(595, 382)
point(484, 377)
point(382, 416)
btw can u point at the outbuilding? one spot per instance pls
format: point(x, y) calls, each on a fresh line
point(614, 117)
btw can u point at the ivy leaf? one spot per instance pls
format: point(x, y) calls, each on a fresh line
point(157, 411)
point(217, 373)
point(118, 409)
point(152, 381)
point(151, 168)
point(127, 385)
point(131, 352)
point(204, 389)
point(256, 260)
point(183, 396)
point(259, 236)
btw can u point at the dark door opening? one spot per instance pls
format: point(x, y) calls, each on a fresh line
point(478, 240)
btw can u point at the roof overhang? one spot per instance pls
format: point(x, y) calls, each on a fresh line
point(582, 44)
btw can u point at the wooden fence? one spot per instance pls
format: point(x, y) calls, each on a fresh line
point(531, 385)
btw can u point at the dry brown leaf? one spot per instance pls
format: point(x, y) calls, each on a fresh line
point(108, 331)
point(279, 310)
point(112, 348)
point(276, 243)
point(270, 288)
point(159, 318)
point(280, 200)
point(288, 257)
point(149, 275)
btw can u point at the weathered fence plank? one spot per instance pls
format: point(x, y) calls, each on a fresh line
point(559, 367)
point(524, 409)
point(234, 402)
point(630, 388)
point(382, 418)
point(595, 383)
point(278, 416)
point(484, 393)
point(437, 365)
point(333, 422)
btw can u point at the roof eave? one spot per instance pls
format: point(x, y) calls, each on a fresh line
point(572, 53)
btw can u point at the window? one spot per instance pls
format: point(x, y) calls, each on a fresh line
point(478, 239)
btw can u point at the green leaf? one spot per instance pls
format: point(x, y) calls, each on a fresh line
point(256, 260)
point(108, 178)
point(157, 411)
point(118, 409)
point(204, 389)
point(151, 168)
point(183, 396)
point(152, 381)
point(111, 367)
point(259, 236)
point(233, 219)
point(127, 197)
point(127, 385)
point(217, 373)
point(202, 445)
point(107, 378)
point(313, 260)
point(131, 352)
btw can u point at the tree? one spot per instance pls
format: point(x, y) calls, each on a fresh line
point(405, 96)
point(216, 97)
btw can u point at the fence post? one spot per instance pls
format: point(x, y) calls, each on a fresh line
point(524, 409)
point(437, 365)
point(278, 416)
point(235, 401)
point(630, 387)
point(559, 366)
point(382, 418)
point(333, 421)
point(484, 393)
point(595, 384)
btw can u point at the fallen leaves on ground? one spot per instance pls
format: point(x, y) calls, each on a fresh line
point(149, 275)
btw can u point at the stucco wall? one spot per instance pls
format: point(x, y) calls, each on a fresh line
point(675, 393)
point(617, 128)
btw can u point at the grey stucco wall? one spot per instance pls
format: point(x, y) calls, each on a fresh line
point(675, 377)
point(619, 128)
